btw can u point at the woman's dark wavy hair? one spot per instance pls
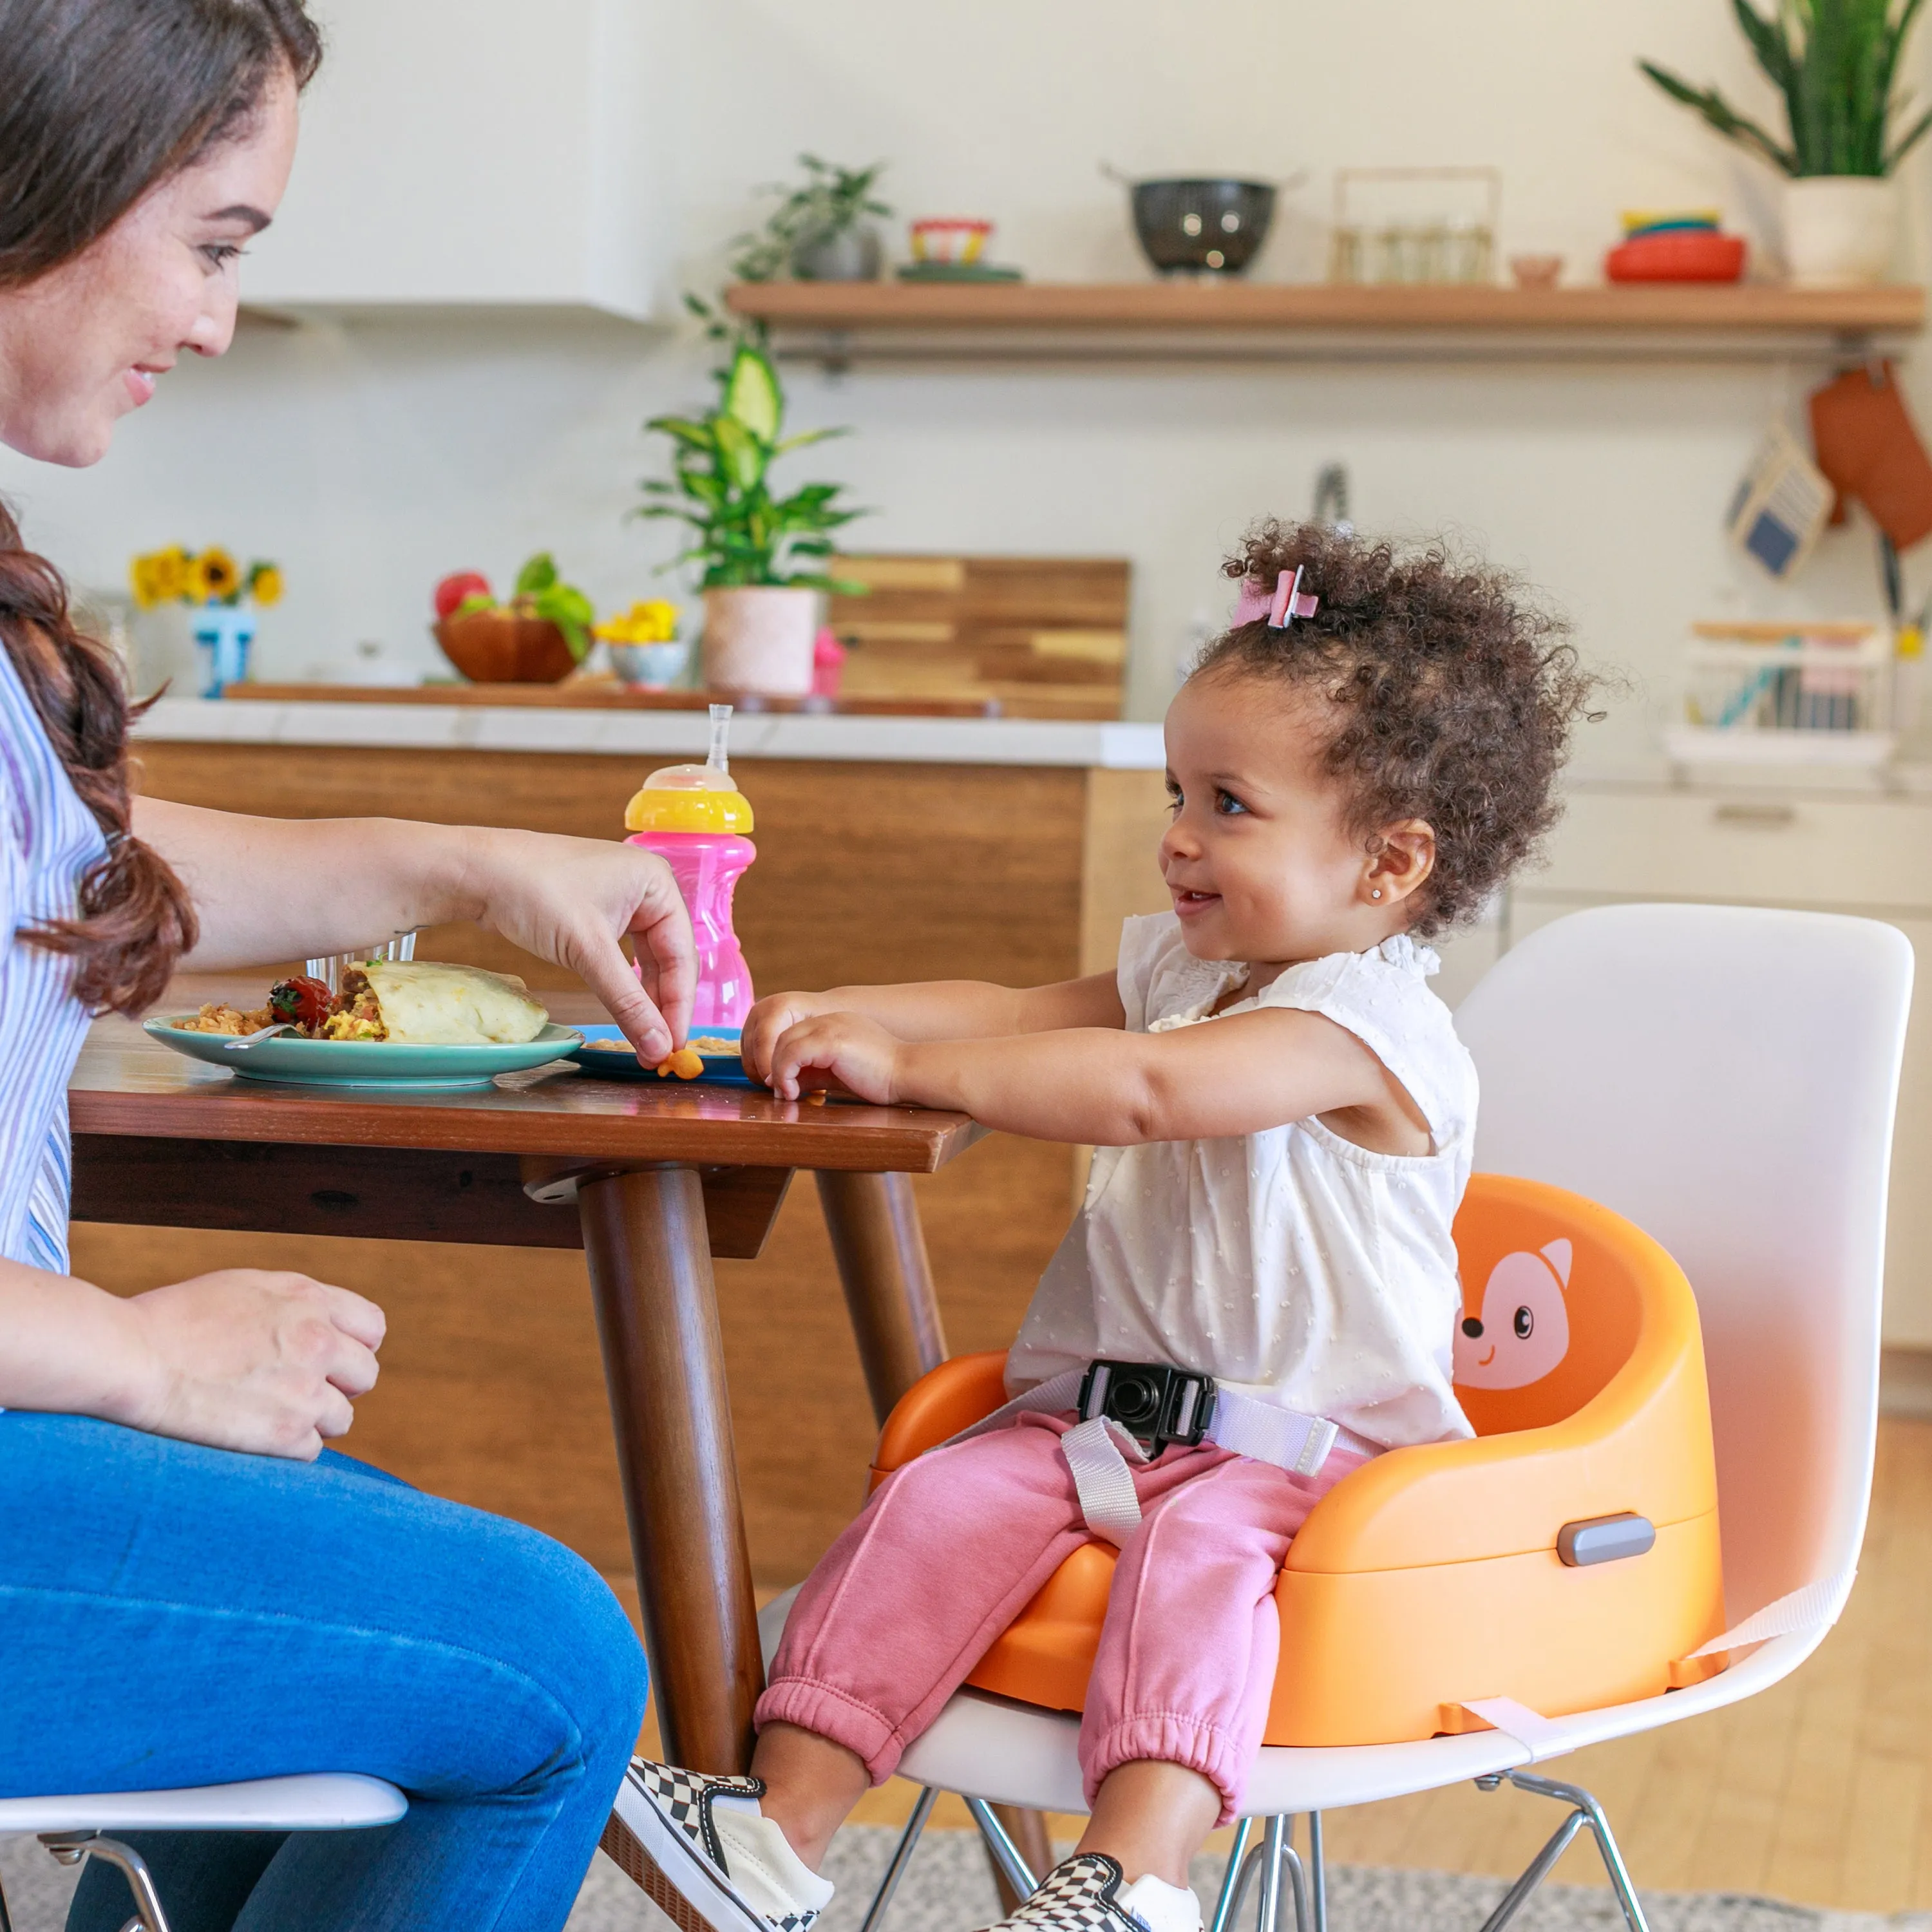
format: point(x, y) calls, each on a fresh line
point(100, 101)
point(1448, 695)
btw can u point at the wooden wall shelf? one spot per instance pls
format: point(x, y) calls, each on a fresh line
point(841, 321)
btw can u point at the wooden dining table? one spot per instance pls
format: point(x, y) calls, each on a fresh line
point(652, 1180)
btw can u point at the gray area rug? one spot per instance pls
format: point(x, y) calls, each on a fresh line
point(948, 1890)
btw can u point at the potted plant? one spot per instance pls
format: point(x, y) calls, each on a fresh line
point(764, 557)
point(539, 637)
point(222, 597)
point(818, 230)
point(1836, 62)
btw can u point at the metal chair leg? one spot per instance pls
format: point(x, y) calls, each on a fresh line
point(1005, 1853)
point(1229, 1901)
point(69, 1848)
point(1318, 1874)
point(1274, 1842)
point(882, 1899)
point(1298, 1881)
point(1585, 1813)
point(1277, 1854)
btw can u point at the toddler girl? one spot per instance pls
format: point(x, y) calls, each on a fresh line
point(1357, 764)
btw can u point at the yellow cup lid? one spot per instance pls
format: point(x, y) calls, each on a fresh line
point(688, 798)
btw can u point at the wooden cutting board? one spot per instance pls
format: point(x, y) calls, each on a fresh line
point(1043, 629)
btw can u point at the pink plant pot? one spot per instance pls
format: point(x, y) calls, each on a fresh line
point(760, 640)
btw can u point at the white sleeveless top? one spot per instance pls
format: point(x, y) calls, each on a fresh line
point(1291, 1264)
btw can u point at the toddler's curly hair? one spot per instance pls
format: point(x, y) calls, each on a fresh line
point(1450, 693)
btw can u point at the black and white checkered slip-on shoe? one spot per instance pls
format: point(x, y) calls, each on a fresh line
point(1086, 1894)
point(706, 1856)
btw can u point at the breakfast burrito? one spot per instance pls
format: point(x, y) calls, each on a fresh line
point(416, 1003)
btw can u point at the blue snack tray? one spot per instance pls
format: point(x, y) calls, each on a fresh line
point(720, 1069)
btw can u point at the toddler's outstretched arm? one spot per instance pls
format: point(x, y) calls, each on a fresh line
point(939, 1009)
point(1241, 1075)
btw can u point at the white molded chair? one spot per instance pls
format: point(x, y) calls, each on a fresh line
point(1725, 1079)
point(73, 1829)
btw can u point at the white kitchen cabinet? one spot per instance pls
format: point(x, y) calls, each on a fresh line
point(464, 153)
point(1866, 855)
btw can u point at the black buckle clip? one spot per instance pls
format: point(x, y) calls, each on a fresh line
point(1156, 1405)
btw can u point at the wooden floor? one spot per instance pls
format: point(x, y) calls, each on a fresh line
point(1818, 1792)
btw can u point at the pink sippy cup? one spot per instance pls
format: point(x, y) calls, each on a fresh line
point(695, 819)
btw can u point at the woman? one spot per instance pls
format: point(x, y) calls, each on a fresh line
point(192, 1589)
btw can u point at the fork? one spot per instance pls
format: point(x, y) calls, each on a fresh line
point(248, 1040)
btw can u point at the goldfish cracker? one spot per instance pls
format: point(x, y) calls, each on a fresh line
point(687, 1063)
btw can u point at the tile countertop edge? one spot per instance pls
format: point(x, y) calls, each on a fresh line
point(895, 740)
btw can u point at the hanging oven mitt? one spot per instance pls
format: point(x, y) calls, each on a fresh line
point(1868, 447)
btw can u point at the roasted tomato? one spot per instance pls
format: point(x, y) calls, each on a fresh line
point(306, 1001)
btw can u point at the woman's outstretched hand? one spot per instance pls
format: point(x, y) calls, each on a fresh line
point(278, 889)
point(571, 900)
point(248, 1359)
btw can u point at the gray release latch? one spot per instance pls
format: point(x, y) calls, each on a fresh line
point(1604, 1539)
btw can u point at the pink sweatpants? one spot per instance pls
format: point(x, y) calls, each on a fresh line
point(953, 1546)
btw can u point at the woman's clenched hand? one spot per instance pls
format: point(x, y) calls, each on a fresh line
point(250, 1359)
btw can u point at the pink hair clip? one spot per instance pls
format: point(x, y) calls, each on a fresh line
point(1280, 608)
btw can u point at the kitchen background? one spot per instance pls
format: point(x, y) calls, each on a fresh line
point(466, 384)
point(370, 452)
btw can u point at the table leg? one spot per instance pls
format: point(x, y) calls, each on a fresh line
point(649, 1256)
point(874, 1222)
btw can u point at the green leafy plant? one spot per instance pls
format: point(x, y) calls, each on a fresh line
point(544, 594)
point(540, 592)
point(1835, 62)
point(830, 201)
point(720, 486)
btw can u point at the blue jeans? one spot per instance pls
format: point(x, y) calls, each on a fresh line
point(175, 1615)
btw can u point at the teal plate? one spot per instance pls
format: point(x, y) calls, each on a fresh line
point(720, 1069)
point(366, 1063)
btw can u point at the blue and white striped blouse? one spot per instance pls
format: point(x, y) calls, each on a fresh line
point(48, 839)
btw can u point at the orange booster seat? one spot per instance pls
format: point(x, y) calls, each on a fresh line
point(1567, 1558)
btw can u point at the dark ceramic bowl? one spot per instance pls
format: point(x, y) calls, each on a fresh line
point(1202, 227)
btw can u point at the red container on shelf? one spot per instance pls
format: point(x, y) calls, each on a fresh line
point(1678, 255)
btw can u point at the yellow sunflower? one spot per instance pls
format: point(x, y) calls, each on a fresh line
point(174, 574)
point(142, 577)
point(216, 574)
point(265, 584)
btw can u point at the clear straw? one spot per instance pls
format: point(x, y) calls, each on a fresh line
point(721, 730)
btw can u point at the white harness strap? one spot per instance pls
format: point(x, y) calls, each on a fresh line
point(1047, 1398)
point(1814, 1606)
point(1096, 1450)
point(1299, 1444)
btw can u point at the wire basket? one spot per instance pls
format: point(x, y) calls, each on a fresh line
point(1769, 693)
point(398, 945)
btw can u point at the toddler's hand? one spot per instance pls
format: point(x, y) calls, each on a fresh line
point(861, 1055)
point(768, 1022)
